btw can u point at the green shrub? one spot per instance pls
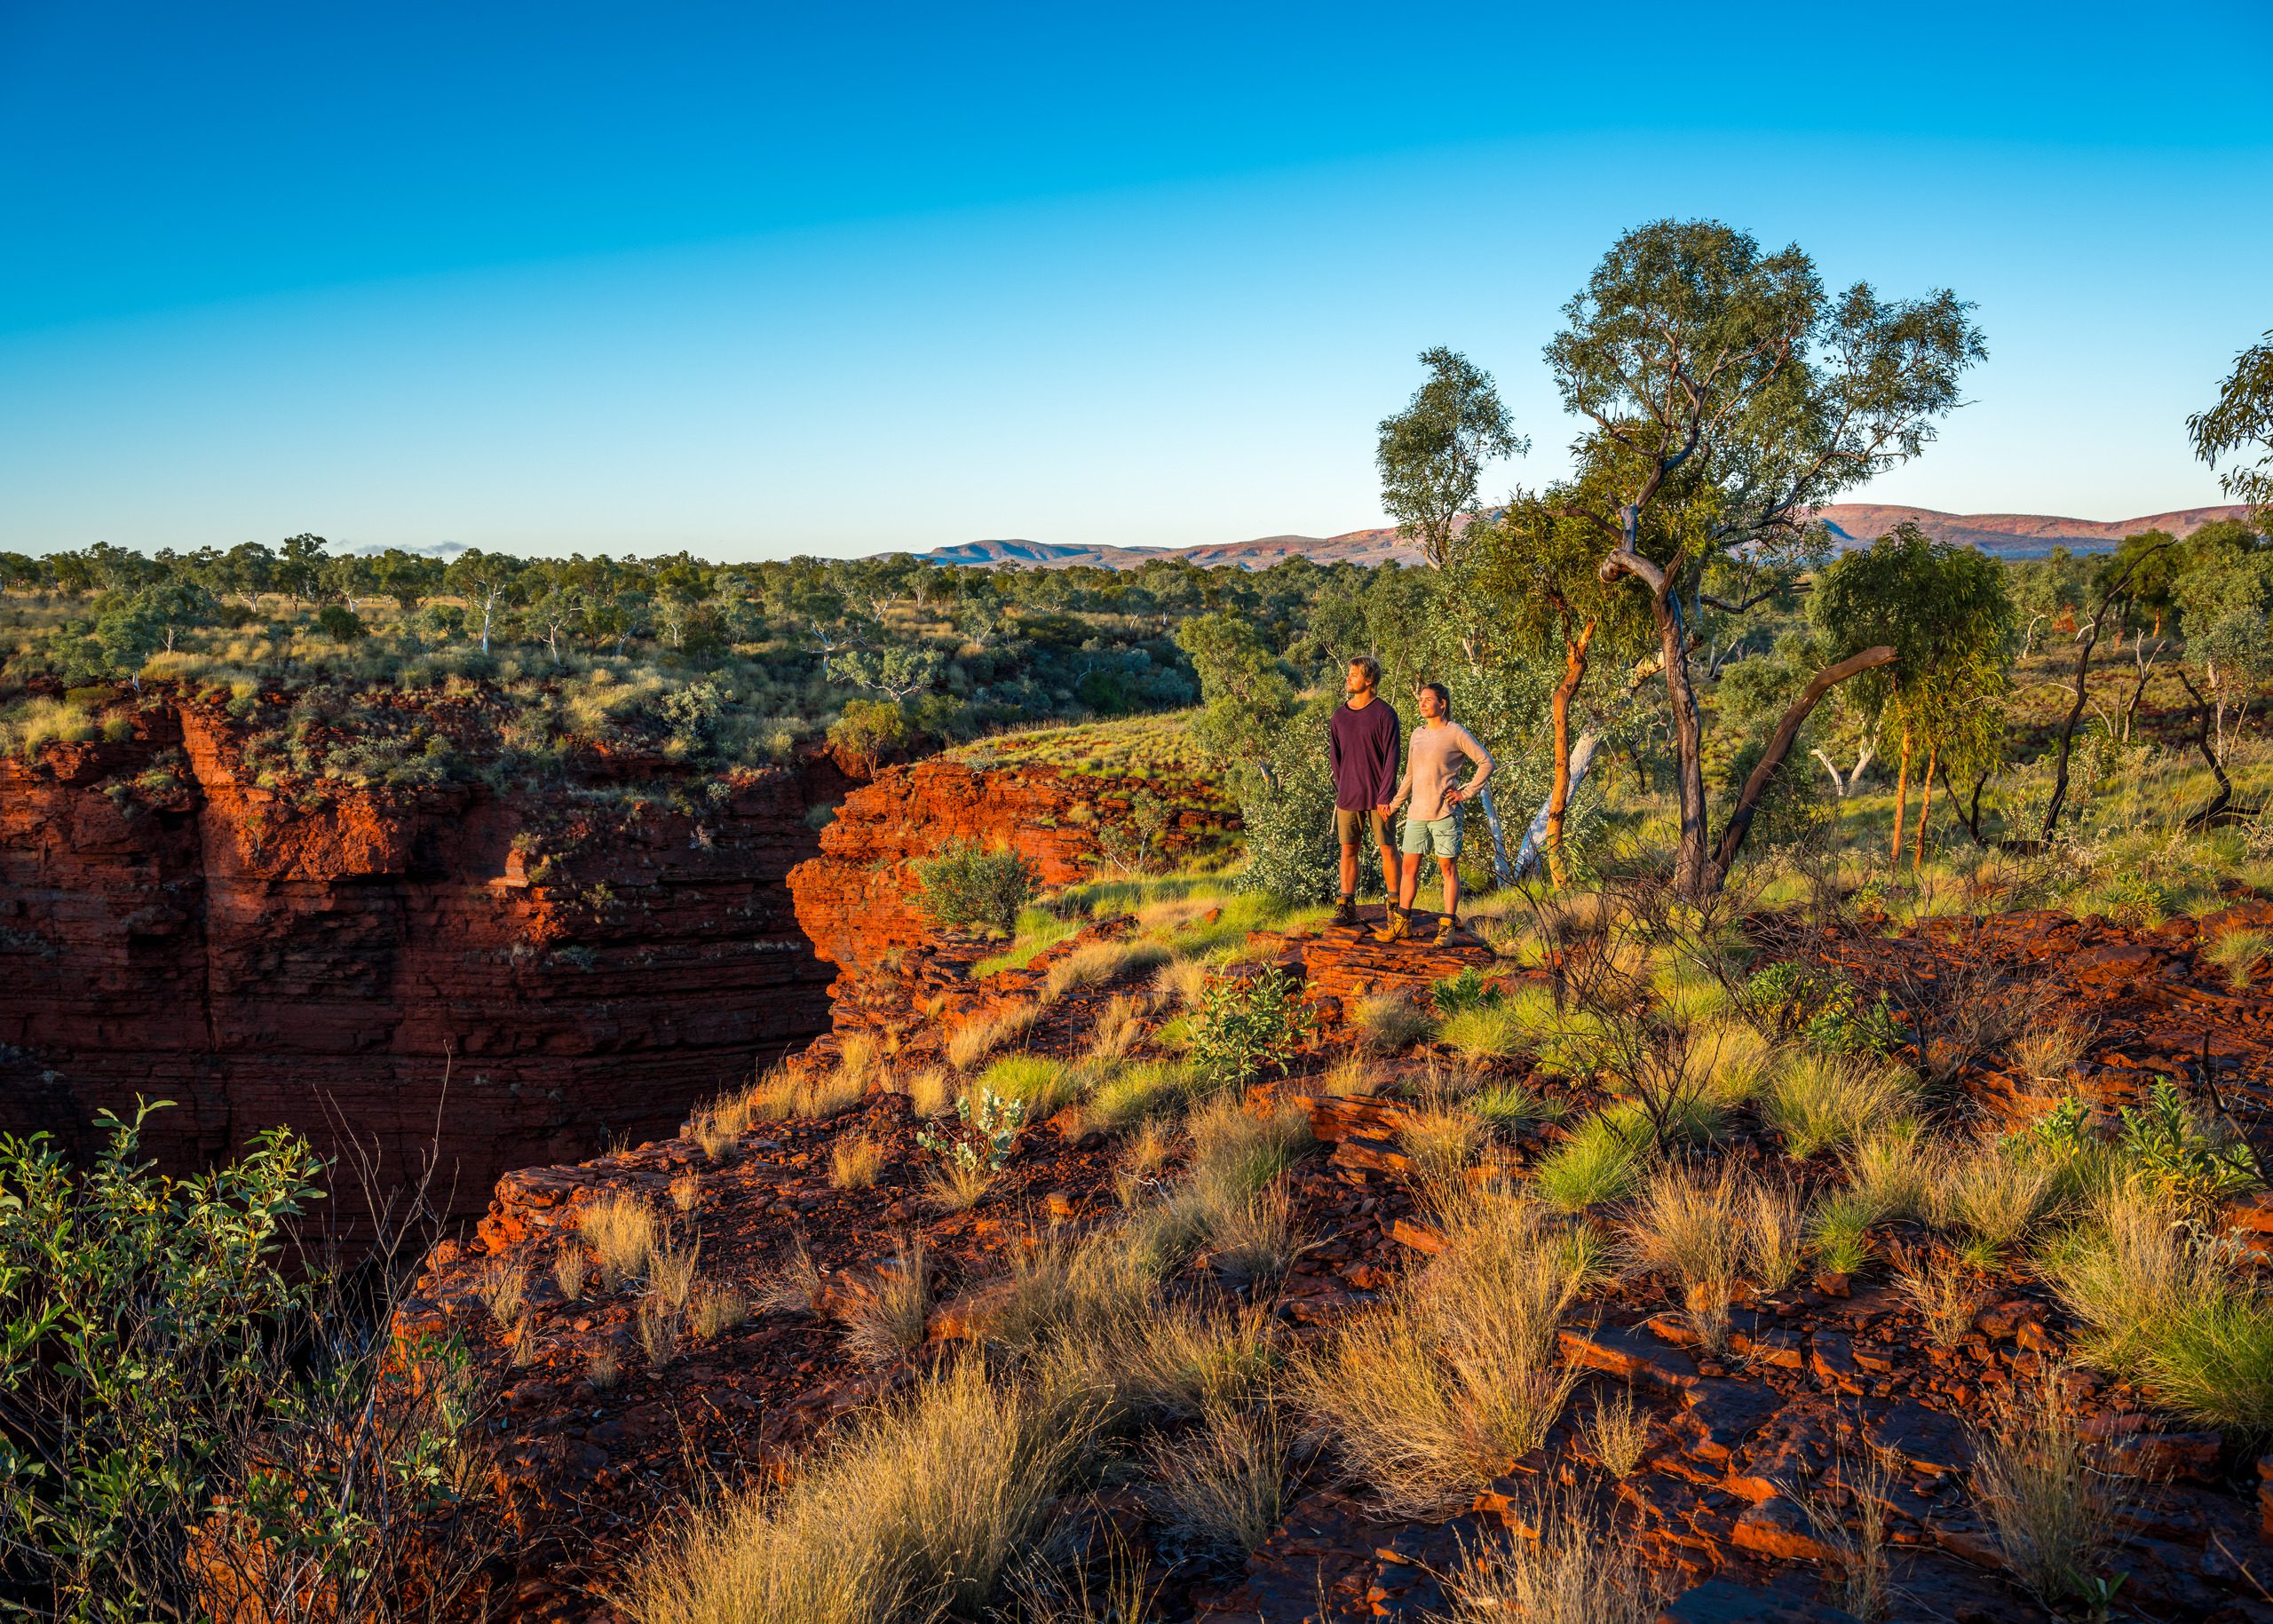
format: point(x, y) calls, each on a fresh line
point(967, 886)
point(1823, 1008)
point(2190, 1160)
point(159, 1361)
point(1468, 990)
point(986, 1132)
point(868, 728)
point(341, 623)
point(1247, 1026)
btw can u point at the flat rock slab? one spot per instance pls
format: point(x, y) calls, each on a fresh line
point(1721, 1414)
point(1928, 1440)
point(1633, 1353)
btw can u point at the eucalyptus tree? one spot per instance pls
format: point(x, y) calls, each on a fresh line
point(2241, 425)
point(1432, 454)
point(1727, 383)
point(488, 581)
point(1947, 613)
point(1537, 560)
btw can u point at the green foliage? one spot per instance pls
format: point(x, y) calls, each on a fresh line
point(2190, 1162)
point(341, 623)
point(1822, 1007)
point(1432, 454)
point(159, 1358)
point(965, 885)
point(868, 728)
point(1246, 1025)
point(986, 1133)
point(1601, 1160)
point(1457, 993)
point(2240, 424)
point(1286, 812)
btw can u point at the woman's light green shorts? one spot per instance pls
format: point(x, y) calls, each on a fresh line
point(1441, 836)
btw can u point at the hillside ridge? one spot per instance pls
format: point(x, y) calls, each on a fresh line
point(2010, 535)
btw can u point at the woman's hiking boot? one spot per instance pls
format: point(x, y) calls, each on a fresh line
point(1445, 926)
point(1396, 927)
point(1347, 914)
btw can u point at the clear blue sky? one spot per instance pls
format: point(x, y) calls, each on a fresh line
point(833, 278)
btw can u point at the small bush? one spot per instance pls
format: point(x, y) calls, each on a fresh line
point(1467, 991)
point(1617, 1433)
point(1247, 1026)
point(966, 885)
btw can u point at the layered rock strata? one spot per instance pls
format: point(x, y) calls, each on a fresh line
point(483, 979)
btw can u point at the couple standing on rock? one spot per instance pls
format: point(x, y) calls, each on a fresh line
point(1362, 743)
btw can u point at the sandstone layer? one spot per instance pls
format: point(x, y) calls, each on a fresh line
point(494, 979)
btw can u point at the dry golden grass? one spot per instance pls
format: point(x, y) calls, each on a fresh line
point(1944, 1291)
point(1389, 1023)
point(570, 1268)
point(885, 1318)
point(1850, 1518)
point(504, 1287)
point(1120, 1026)
point(1616, 1431)
point(1569, 1574)
point(974, 1040)
point(2126, 1268)
point(854, 1162)
point(1712, 1234)
point(794, 1284)
point(1432, 1398)
point(2046, 1053)
point(955, 1186)
point(931, 1091)
point(1353, 1076)
point(671, 1274)
point(686, 1192)
point(1224, 1483)
point(604, 1368)
point(1990, 1196)
point(1891, 1173)
point(622, 1231)
point(659, 1334)
point(1098, 964)
point(1441, 1140)
point(2032, 1479)
point(919, 1510)
point(1180, 982)
point(1821, 1102)
point(718, 1309)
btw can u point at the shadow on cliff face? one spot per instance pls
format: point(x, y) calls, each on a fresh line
point(498, 977)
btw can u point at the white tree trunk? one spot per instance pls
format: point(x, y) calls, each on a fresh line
point(1582, 757)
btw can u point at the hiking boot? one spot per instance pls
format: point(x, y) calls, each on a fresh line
point(1347, 914)
point(1445, 926)
point(1394, 928)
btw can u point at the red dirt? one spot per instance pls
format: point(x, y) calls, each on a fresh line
point(1715, 1506)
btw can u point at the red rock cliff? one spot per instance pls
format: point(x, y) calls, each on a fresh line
point(580, 969)
point(856, 901)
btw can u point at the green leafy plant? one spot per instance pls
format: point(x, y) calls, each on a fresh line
point(187, 1427)
point(985, 1132)
point(1467, 990)
point(2190, 1162)
point(1248, 1025)
point(966, 885)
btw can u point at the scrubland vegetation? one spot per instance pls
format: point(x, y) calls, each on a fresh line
point(1734, 1032)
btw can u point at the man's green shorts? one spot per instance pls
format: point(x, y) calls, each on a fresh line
point(1441, 836)
point(1349, 826)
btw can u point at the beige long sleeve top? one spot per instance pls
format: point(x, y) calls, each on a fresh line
point(1432, 757)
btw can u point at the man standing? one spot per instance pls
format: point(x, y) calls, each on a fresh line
point(1361, 740)
point(1432, 823)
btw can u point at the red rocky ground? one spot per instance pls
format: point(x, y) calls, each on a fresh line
point(1811, 1372)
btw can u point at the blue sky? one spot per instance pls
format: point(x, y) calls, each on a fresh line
point(834, 280)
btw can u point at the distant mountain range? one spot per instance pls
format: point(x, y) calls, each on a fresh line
point(1851, 524)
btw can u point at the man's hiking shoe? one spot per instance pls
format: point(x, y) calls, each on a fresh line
point(1347, 914)
point(1396, 927)
point(1445, 926)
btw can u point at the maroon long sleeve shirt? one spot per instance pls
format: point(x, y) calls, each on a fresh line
point(1363, 746)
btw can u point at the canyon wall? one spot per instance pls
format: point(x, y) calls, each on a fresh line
point(501, 978)
point(857, 900)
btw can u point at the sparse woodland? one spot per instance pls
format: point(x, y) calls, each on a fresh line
point(1829, 1159)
